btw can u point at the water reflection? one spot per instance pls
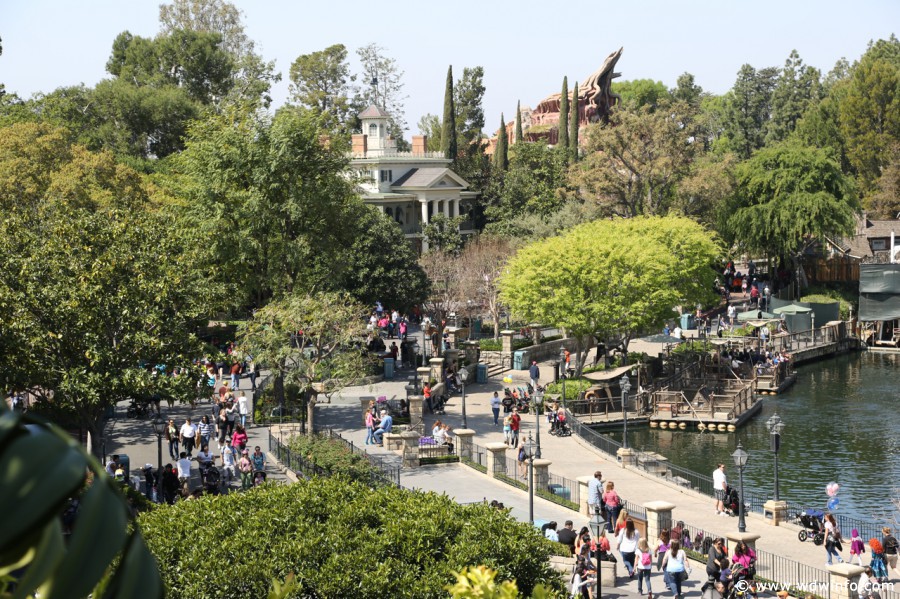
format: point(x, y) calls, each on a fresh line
point(843, 424)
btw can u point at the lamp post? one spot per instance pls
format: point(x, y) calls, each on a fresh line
point(463, 376)
point(538, 406)
point(597, 524)
point(740, 460)
point(625, 384)
point(776, 426)
point(414, 348)
point(812, 317)
point(529, 454)
point(159, 427)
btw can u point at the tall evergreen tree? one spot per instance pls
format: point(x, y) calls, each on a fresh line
point(519, 136)
point(563, 125)
point(501, 152)
point(448, 131)
point(796, 89)
point(573, 126)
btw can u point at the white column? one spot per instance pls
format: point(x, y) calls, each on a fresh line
point(456, 207)
point(424, 206)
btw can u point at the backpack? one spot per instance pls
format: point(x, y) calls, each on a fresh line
point(645, 559)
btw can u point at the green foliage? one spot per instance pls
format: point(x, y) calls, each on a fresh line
point(440, 459)
point(474, 464)
point(573, 125)
point(448, 129)
point(501, 152)
point(533, 183)
point(687, 91)
point(416, 539)
point(574, 388)
point(748, 109)
point(797, 88)
point(104, 554)
point(847, 297)
point(615, 278)
point(333, 456)
point(519, 136)
point(442, 233)
point(640, 93)
point(490, 345)
point(320, 81)
point(563, 123)
point(787, 194)
point(388, 91)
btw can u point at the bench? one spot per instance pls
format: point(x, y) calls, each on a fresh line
point(392, 441)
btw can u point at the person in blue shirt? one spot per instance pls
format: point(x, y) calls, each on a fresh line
point(387, 423)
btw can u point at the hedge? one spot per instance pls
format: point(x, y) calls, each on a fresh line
point(333, 456)
point(574, 388)
point(341, 539)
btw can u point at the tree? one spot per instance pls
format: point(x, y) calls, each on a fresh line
point(703, 192)
point(501, 152)
point(884, 202)
point(482, 261)
point(430, 126)
point(105, 554)
point(308, 339)
point(612, 278)
point(468, 104)
point(442, 233)
point(748, 110)
point(287, 190)
point(114, 286)
point(795, 91)
point(519, 136)
point(640, 92)
point(443, 270)
point(381, 265)
point(532, 182)
point(448, 129)
point(321, 81)
point(563, 123)
point(574, 117)
point(788, 194)
point(382, 83)
point(634, 162)
point(687, 91)
point(870, 112)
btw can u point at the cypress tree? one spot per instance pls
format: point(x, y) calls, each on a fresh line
point(573, 126)
point(519, 136)
point(563, 125)
point(501, 152)
point(448, 129)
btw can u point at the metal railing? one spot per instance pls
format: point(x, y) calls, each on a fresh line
point(565, 488)
point(390, 473)
point(799, 579)
point(476, 457)
point(429, 448)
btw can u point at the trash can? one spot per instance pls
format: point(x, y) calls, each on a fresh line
point(687, 322)
point(481, 375)
point(519, 360)
point(389, 369)
point(125, 463)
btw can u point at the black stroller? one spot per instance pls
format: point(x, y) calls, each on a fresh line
point(211, 478)
point(813, 525)
point(732, 501)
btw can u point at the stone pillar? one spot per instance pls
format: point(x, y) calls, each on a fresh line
point(416, 413)
point(452, 335)
point(471, 349)
point(841, 576)
point(464, 443)
point(424, 373)
point(496, 458)
point(775, 511)
point(410, 445)
point(507, 339)
point(583, 507)
point(542, 475)
point(733, 538)
point(627, 457)
point(535, 333)
point(437, 369)
point(452, 357)
point(659, 516)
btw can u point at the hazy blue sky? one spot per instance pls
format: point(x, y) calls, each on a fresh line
point(525, 47)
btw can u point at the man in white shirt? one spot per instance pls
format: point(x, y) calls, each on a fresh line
point(188, 433)
point(495, 408)
point(595, 491)
point(228, 459)
point(719, 485)
point(184, 470)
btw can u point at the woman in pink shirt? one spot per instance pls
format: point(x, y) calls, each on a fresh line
point(370, 426)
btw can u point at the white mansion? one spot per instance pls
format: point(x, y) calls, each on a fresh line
point(410, 187)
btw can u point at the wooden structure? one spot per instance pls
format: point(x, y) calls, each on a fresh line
point(771, 380)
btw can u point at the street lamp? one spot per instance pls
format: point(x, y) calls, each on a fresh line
point(538, 405)
point(812, 316)
point(740, 460)
point(598, 524)
point(415, 352)
point(159, 427)
point(625, 384)
point(776, 426)
point(463, 376)
point(529, 454)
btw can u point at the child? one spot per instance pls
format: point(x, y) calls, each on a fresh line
point(643, 562)
point(507, 429)
point(857, 547)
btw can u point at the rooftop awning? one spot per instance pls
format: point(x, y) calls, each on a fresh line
point(792, 309)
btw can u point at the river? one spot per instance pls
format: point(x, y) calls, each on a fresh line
point(842, 421)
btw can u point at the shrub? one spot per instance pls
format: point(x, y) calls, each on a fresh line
point(490, 345)
point(412, 542)
point(333, 456)
point(574, 388)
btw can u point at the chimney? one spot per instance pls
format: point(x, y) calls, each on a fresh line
point(419, 144)
point(360, 143)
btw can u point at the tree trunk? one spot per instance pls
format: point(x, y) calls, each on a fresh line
point(278, 391)
point(311, 414)
point(98, 439)
point(580, 356)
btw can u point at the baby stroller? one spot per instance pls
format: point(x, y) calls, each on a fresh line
point(558, 427)
point(813, 525)
point(210, 477)
point(259, 477)
point(732, 501)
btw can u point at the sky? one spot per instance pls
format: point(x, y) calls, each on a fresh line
point(525, 47)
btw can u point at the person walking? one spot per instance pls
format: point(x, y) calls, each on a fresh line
point(720, 485)
point(205, 430)
point(595, 493)
point(243, 408)
point(717, 560)
point(535, 373)
point(172, 438)
point(832, 540)
point(676, 568)
point(370, 426)
point(643, 567)
point(514, 421)
point(507, 429)
point(495, 407)
point(613, 504)
point(627, 542)
point(662, 546)
point(187, 436)
point(235, 375)
point(246, 468)
point(891, 549)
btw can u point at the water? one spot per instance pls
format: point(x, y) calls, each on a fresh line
point(843, 425)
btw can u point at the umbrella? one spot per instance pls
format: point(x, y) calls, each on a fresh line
point(754, 315)
point(792, 309)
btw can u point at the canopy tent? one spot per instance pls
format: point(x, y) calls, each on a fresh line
point(879, 292)
point(792, 309)
point(608, 375)
point(754, 315)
